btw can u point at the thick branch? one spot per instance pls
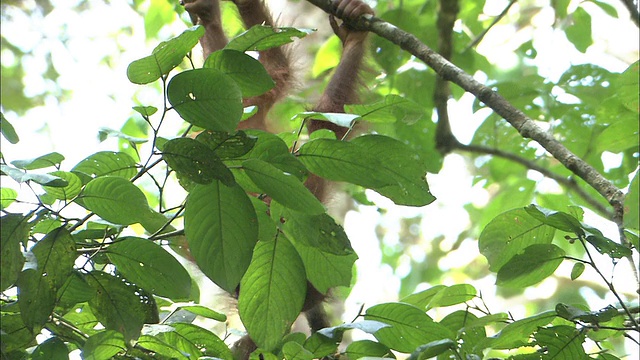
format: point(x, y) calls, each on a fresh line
point(523, 124)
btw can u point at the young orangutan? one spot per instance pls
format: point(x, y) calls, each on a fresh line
point(341, 90)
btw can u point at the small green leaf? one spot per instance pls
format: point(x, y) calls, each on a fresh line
point(195, 161)
point(103, 345)
point(579, 33)
point(282, 187)
point(7, 197)
point(225, 145)
point(247, 72)
point(208, 343)
point(115, 199)
point(51, 349)
point(517, 333)
point(261, 37)
point(221, 227)
point(8, 130)
point(106, 132)
point(106, 163)
point(73, 188)
point(557, 219)
point(164, 57)
point(391, 109)
point(535, 264)
point(56, 255)
point(205, 312)
point(120, 305)
point(44, 161)
point(577, 270)
point(145, 110)
point(272, 292)
point(432, 349)
point(14, 231)
point(151, 267)
point(206, 98)
point(607, 246)
point(367, 348)
point(36, 299)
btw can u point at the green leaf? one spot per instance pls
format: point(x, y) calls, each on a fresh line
point(579, 33)
point(14, 231)
point(517, 333)
point(577, 270)
point(205, 312)
point(73, 188)
point(115, 199)
point(432, 349)
point(402, 164)
point(165, 349)
point(206, 98)
point(145, 110)
point(620, 135)
point(151, 267)
point(441, 296)
point(557, 219)
point(272, 292)
point(572, 313)
point(632, 204)
point(120, 305)
point(104, 133)
point(221, 228)
point(7, 197)
point(247, 72)
point(8, 130)
point(225, 145)
point(561, 342)
point(610, 10)
point(44, 161)
point(410, 326)
point(56, 255)
point(391, 109)
point(607, 246)
point(282, 187)
point(509, 234)
point(36, 299)
point(42, 179)
point(106, 163)
point(294, 351)
point(195, 161)
point(535, 264)
point(627, 88)
point(75, 290)
point(261, 37)
point(51, 349)
point(343, 161)
point(104, 345)
point(164, 57)
point(423, 298)
point(367, 348)
point(15, 334)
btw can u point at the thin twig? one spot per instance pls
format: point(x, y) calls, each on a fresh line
point(479, 38)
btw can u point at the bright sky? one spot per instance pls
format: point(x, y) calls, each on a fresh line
point(102, 97)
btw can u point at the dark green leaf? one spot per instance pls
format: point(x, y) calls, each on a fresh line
point(15, 334)
point(561, 342)
point(432, 349)
point(14, 231)
point(247, 72)
point(410, 326)
point(572, 313)
point(106, 163)
point(509, 234)
point(557, 219)
point(282, 187)
point(44, 161)
point(120, 305)
point(221, 228)
point(56, 255)
point(164, 57)
point(151, 267)
point(206, 98)
point(115, 199)
point(225, 145)
point(7, 130)
point(607, 246)
point(36, 299)
point(195, 161)
point(51, 349)
point(261, 37)
point(42, 179)
point(272, 292)
point(75, 290)
point(535, 264)
point(103, 345)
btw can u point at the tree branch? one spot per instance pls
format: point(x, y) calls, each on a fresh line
point(523, 124)
point(634, 12)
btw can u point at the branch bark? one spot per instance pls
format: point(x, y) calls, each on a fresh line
point(522, 123)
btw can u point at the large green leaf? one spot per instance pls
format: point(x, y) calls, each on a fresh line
point(509, 234)
point(272, 292)
point(282, 187)
point(151, 267)
point(164, 57)
point(535, 264)
point(221, 228)
point(36, 299)
point(120, 305)
point(261, 37)
point(410, 326)
point(206, 98)
point(115, 199)
point(196, 161)
point(13, 232)
point(343, 161)
point(402, 164)
point(247, 72)
point(44, 161)
point(106, 163)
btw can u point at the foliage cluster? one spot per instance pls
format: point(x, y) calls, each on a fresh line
point(107, 282)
